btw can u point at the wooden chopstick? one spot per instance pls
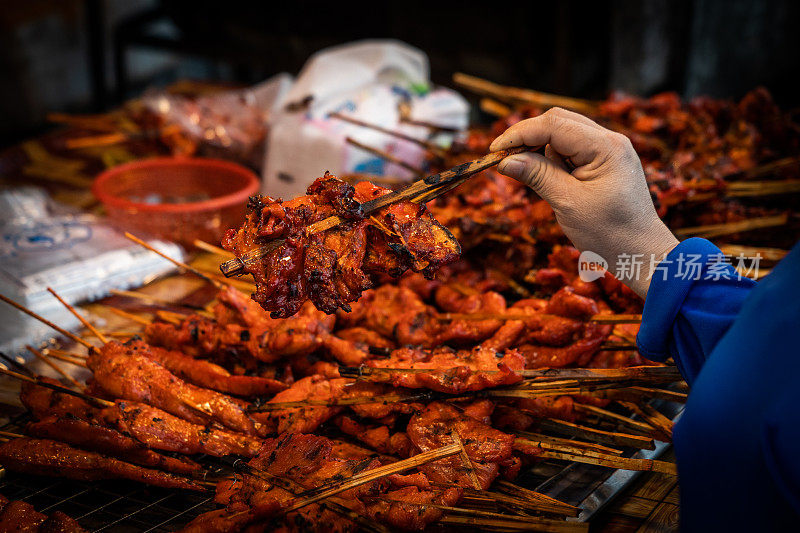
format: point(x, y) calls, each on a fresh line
point(420, 191)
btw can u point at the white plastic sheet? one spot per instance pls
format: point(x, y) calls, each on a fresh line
point(367, 80)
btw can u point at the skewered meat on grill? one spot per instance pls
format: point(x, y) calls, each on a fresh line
point(333, 267)
point(378, 437)
point(398, 312)
point(150, 426)
point(98, 438)
point(307, 419)
point(557, 333)
point(317, 388)
point(163, 431)
point(453, 371)
point(203, 373)
point(266, 340)
point(21, 517)
point(486, 447)
point(51, 458)
point(124, 371)
point(304, 462)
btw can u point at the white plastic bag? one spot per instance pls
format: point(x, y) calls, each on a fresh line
point(367, 80)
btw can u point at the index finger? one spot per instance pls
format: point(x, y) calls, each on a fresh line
point(576, 140)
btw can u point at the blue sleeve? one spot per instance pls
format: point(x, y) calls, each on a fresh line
point(692, 301)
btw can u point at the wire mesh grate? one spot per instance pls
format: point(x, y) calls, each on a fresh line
point(124, 506)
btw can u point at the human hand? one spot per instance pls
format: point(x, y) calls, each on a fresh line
point(593, 180)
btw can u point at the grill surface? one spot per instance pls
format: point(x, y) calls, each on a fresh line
point(121, 506)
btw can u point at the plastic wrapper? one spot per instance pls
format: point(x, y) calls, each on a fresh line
point(45, 244)
point(371, 81)
point(229, 125)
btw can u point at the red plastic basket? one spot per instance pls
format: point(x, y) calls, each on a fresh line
point(180, 199)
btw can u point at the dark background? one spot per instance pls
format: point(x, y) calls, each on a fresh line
point(88, 55)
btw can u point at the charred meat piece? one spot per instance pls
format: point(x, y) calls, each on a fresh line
point(266, 340)
point(558, 332)
point(148, 425)
point(97, 438)
point(207, 374)
point(486, 447)
point(50, 458)
point(126, 372)
point(163, 431)
point(21, 517)
point(333, 267)
point(452, 371)
point(306, 419)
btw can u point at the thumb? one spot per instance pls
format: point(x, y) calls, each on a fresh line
point(541, 174)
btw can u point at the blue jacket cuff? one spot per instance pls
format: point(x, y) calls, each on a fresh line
point(670, 285)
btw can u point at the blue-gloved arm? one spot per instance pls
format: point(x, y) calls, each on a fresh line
point(691, 303)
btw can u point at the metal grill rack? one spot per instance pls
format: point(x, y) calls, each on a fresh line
point(127, 507)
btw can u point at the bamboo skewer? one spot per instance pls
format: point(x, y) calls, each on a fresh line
point(506, 524)
point(130, 316)
point(425, 124)
point(98, 402)
point(120, 334)
point(96, 140)
point(66, 357)
point(39, 355)
point(624, 463)
point(80, 317)
point(636, 393)
point(661, 423)
point(772, 166)
point(216, 283)
point(578, 444)
point(473, 477)
point(598, 319)
point(431, 147)
point(740, 189)
point(518, 504)
point(522, 96)
point(533, 496)
point(597, 435)
point(323, 492)
point(208, 247)
point(172, 318)
point(42, 319)
point(493, 107)
point(385, 156)
point(717, 230)
point(604, 413)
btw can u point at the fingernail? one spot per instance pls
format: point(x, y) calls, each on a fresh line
point(496, 144)
point(511, 167)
